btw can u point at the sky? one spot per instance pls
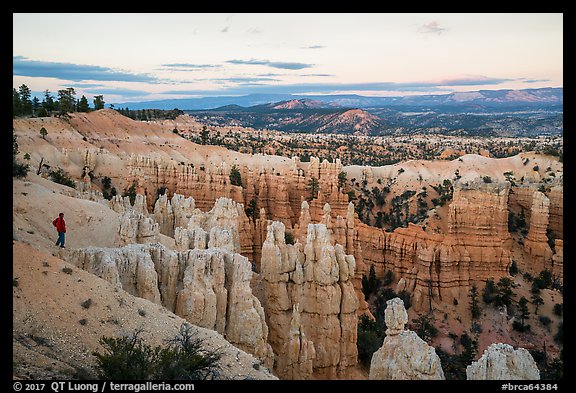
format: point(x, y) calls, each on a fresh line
point(141, 57)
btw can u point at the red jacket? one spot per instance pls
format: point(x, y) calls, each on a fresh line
point(60, 224)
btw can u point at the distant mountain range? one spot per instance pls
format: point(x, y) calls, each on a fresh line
point(474, 101)
point(301, 115)
point(526, 112)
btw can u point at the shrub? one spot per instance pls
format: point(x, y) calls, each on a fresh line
point(289, 237)
point(554, 370)
point(370, 283)
point(518, 326)
point(251, 210)
point(371, 335)
point(62, 177)
point(129, 358)
point(513, 270)
point(504, 292)
point(131, 193)
point(18, 170)
point(544, 279)
point(559, 336)
point(87, 303)
point(474, 306)
point(388, 278)
point(489, 292)
point(558, 309)
point(341, 179)
point(424, 328)
point(544, 320)
point(487, 179)
point(405, 296)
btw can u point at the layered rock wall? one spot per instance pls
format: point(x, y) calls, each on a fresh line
point(536, 242)
point(205, 183)
point(556, 211)
point(436, 267)
point(558, 260)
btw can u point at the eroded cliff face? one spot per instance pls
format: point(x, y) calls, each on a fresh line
point(314, 277)
point(556, 211)
point(536, 242)
point(476, 247)
point(558, 260)
point(279, 191)
point(205, 183)
point(543, 214)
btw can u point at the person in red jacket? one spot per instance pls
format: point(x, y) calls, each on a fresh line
point(60, 225)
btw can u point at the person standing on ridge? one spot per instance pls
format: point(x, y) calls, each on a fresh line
point(60, 225)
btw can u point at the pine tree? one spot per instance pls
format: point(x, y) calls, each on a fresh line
point(341, 179)
point(98, 102)
point(48, 102)
point(25, 99)
point(474, 306)
point(35, 106)
point(83, 105)
point(523, 310)
point(67, 100)
point(537, 301)
point(235, 176)
point(16, 103)
point(312, 188)
point(204, 134)
point(504, 292)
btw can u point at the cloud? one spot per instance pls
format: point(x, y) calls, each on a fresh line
point(316, 74)
point(301, 88)
point(23, 66)
point(118, 91)
point(254, 30)
point(524, 80)
point(225, 29)
point(248, 79)
point(313, 47)
point(432, 27)
point(188, 66)
point(85, 85)
point(249, 62)
point(274, 64)
point(472, 81)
